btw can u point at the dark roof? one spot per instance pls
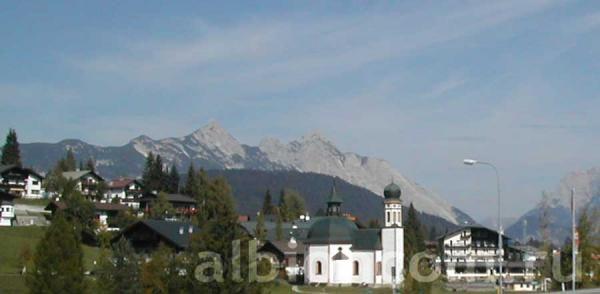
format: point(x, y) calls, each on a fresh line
point(17, 169)
point(332, 229)
point(168, 230)
point(340, 256)
point(367, 239)
point(76, 175)
point(459, 229)
point(334, 197)
point(180, 198)
point(6, 202)
point(299, 232)
point(285, 247)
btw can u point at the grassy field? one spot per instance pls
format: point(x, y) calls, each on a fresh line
point(38, 202)
point(12, 240)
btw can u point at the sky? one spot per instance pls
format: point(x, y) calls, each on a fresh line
point(422, 84)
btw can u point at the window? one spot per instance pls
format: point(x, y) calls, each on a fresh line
point(319, 268)
point(36, 182)
point(356, 268)
point(388, 216)
point(35, 192)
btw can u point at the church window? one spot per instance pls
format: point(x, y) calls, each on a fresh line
point(356, 268)
point(388, 216)
point(319, 268)
point(378, 269)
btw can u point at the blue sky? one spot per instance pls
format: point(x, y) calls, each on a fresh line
point(421, 84)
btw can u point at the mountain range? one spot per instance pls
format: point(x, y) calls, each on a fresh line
point(586, 187)
point(213, 148)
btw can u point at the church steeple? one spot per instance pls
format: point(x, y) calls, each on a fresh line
point(334, 202)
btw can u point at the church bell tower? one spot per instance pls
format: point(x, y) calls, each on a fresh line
point(392, 236)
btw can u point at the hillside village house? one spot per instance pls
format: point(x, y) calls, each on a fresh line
point(7, 209)
point(87, 180)
point(128, 191)
point(22, 182)
point(185, 206)
point(471, 254)
point(103, 212)
point(146, 235)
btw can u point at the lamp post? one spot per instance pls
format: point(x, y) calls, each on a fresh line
point(500, 245)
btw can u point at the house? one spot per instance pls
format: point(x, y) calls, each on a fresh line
point(128, 191)
point(87, 180)
point(289, 256)
point(22, 182)
point(146, 235)
point(185, 206)
point(337, 252)
point(470, 253)
point(104, 212)
point(7, 209)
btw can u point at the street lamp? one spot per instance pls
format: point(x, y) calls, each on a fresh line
point(500, 246)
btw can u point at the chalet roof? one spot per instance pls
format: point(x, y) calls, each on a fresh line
point(179, 198)
point(285, 247)
point(168, 230)
point(17, 169)
point(121, 183)
point(472, 228)
point(76, 175)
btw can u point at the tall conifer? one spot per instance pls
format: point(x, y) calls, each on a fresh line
point(10, 151)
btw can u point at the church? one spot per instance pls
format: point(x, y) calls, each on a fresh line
point(337, 252)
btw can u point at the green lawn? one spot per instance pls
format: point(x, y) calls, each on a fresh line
point(39, 202)
point(12, 239)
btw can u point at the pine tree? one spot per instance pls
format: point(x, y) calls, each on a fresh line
point(278, 227)
point(147, 180)
point(192, 186)
point(260, 232)
point(283, 206)
point(90, 165)
point(58, 261)
point(267, 207)
point(414, 242)
point(293, 204)
point(119, 273)
point(173, 180)
point(161, 207)
point(159, 177)
point(10, 151)
point(70, 163)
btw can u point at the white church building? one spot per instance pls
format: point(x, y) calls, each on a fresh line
point(337, 252)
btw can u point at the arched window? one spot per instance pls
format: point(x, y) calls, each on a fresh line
point(356, 268)
point(319, 270)
point(388, 216)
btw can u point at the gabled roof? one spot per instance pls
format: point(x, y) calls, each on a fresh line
point(460, 229)
point(122, 183)
point(179, 198)
point(76, 175)
point(299, 232)
point(18, 169)
point(168, 230)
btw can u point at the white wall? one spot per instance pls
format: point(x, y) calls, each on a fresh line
point(392, 241)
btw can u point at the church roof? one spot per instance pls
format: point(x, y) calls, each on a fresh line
point(367, 239)
point(332, 229)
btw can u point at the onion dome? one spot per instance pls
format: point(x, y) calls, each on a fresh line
point(392, 191)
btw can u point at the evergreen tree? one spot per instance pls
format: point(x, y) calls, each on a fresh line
point(267, 207)
point(90, 165)
point(219, 228)
point(161, 207)
point(283, 206)
point(260, 232)
point(294, 204)
point(159, 177)
point(173, 180)
point(278, 227)
point(154, 275)
point(147, 175)
point(414, 242)
point(119, 274)
point(58, 261)
point(10, 151)
point(70, 163)
point(192, 185)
